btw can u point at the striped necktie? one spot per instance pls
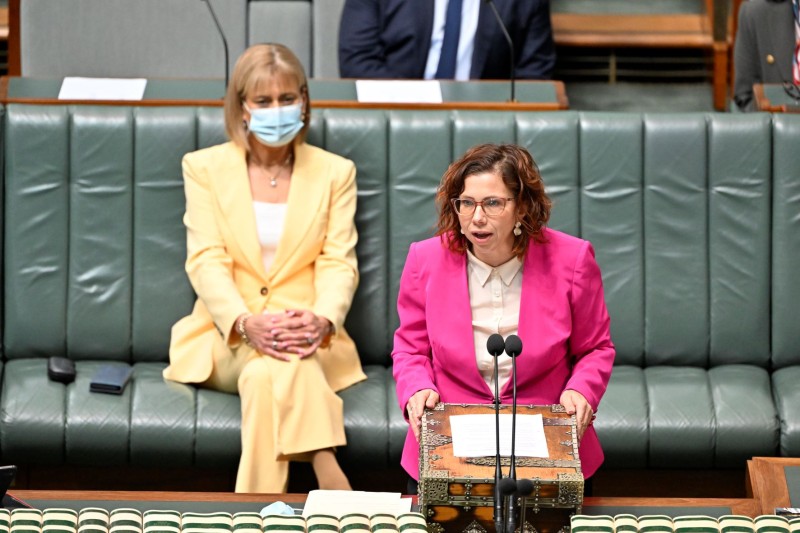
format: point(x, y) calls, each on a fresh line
point(452, 30)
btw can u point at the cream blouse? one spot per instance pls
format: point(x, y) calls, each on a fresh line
point(494, 295)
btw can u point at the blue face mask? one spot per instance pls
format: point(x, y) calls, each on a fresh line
point(276, 126)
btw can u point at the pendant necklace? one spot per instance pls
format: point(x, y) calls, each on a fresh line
point(273, 178)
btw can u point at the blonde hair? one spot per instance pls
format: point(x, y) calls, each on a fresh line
point(256, 65)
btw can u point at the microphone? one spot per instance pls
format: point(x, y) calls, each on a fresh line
point(224, 41)
point(510, 46)
point(508, 486)
point(495, 345)
point(513, 349)
point(524, 489)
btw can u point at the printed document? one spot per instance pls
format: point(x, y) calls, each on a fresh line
point(475, 436)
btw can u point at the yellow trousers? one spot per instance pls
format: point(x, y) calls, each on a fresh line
point(288, 410)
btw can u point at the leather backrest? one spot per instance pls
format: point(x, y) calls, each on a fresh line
point(95, 244)
point(785, 240)
point(692, 217)
point(95, 206)
point(609, 157)
point(739, 211)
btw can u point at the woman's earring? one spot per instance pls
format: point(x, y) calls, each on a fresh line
point(517, 230)
point(244, 124)
point(462, 231)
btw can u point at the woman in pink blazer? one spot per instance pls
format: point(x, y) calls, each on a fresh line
point(495, 268)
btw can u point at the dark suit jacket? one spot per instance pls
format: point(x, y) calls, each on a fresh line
point(391, 38)
point(765, 29)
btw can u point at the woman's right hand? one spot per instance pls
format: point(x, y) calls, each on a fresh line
point(261, 331)
point(416, 406)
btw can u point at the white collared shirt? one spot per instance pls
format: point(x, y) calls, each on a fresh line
point(466, 41)
point(495, 296)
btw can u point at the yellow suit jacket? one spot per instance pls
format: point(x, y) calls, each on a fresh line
point(314, 267)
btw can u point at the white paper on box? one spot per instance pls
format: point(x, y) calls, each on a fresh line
point(475, 436)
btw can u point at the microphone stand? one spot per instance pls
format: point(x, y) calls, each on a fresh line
point(224, 41)
point(510, 46)
point(495, 345)
point(524, 489)
point(513, 349)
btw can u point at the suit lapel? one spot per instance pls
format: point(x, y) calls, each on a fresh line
point(543, 318)
point(232, 184)
point(424, 21)
point(528, 294)
point(483, 39)
point(305, 196)
point(451, 297)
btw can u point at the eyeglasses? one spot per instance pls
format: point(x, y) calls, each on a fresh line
point(792, 89)
point(491, 206)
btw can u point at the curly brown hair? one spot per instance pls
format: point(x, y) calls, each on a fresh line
point(515, 165)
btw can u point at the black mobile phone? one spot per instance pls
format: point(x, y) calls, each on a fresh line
point(111, 379)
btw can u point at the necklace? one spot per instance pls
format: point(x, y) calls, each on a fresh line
point(273, 178)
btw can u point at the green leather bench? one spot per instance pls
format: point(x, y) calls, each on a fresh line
point(695, 219)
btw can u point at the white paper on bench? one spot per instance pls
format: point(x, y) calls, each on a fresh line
point(399, 92)
point(76, 88)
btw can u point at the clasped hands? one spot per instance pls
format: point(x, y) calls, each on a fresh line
point(573, 401)
point(295, 331)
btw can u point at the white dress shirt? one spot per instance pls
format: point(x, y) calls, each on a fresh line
point(466, 41)
point(495, 297)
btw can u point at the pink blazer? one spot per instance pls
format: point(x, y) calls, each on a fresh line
point(563, 324)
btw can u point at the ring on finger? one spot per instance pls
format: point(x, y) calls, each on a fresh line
point(310, 340)
point(274, 344)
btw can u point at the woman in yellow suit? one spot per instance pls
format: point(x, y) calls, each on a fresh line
point(271, 255)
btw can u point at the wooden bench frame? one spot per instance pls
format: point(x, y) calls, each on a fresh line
point(679, 30)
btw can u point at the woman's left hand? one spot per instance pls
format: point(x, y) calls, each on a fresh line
point(301, 332)
point(575, 403)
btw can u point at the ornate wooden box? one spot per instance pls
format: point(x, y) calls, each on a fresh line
point(456, 493)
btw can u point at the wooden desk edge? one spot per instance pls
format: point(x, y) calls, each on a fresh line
point(768, 481)
point(561, 103)
point(739, 506)
point(765, 104)
point(747, 507)
point(318, 104)
point(129, 495)
point(762, 102)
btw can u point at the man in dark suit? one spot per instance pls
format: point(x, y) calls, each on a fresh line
point(763, 50)
point(393, 39)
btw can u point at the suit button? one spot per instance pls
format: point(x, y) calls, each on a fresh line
point(770, 59)
point(264, 291)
